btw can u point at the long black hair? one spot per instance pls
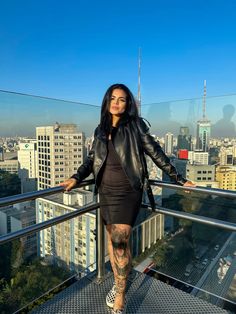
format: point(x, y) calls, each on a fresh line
point(131, 110)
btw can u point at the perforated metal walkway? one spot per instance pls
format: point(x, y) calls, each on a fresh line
point(145, 295)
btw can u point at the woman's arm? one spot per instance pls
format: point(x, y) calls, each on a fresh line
point(154, 150)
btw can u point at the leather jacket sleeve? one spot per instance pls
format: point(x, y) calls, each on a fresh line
point(87, 167)
point(154, 150)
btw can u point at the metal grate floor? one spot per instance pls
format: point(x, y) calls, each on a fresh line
point(145, 295)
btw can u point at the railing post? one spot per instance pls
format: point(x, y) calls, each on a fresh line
point(100, 246)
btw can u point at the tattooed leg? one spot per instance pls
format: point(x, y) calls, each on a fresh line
point(122, 260)
point(109, 247)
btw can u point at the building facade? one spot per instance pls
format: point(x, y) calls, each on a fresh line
point(27, 158)
point(227, 155)
point(198, 157)
point(72, 243)
point(184, 139)
point(203, 135)
point(16, 217)
point(61, 150)
point(202, 175)
point(1, 153)
point(146, 234)
point(10, 165)
point(169, 143)
point(226, 176)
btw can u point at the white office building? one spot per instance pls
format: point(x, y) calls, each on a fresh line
point(61, 150)
point(27, 159)
point(169, 143)
point(198, 157)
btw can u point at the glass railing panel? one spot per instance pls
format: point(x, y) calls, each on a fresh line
point(200, 204)
point(200, 142)
point(196, 255)
point(42, 142)
point(198, 136)
point(23, 113)
point(21, 215)
point(171, 115)
point(55, 257)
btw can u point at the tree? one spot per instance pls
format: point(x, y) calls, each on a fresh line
point(5, 260)
point(9, 184)
point(29, 282)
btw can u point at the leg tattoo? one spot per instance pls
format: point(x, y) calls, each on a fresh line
point(122, 257)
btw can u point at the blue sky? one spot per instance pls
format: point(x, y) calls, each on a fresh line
point(75, 49)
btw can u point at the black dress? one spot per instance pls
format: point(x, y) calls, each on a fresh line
point(119, 202)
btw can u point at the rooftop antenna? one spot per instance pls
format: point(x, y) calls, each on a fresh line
point(204, 102)
point(139, 81)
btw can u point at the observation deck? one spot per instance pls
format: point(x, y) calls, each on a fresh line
point(145, 294)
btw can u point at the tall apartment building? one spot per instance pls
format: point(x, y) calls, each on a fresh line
point(71, 243)
point(61, 150)
point(203, 127)
point(184, 139)
point(1, 153)
point(198, 157)
point(27, 158)
point(169, 143)
point(226, 176)
point(202, 175)
point(203, 135)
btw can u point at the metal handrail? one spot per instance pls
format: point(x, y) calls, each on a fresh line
point(100, 248)
point(161, 210)
point(45, 224)
point(197, 218)
point(197, 189)
point(5, 201)
point(19, 198)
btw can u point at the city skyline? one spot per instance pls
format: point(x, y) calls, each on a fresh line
point(71, 244)
point(21, 113)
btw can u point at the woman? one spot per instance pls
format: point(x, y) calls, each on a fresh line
point(118, 163)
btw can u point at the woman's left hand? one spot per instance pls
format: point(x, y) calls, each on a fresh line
point(190, 184)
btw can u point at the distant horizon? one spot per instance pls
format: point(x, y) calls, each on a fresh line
point(20, 113)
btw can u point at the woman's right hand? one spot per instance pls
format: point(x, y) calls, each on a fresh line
point(69, 184)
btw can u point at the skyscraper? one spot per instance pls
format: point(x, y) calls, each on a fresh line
point(203, 127)
point(1, 153)
point(61, 150)
point(169, 143)
point(184, 139)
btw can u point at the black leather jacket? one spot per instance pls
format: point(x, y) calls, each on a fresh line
point(132, 142)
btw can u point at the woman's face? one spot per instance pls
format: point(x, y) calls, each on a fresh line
point(118, 102)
